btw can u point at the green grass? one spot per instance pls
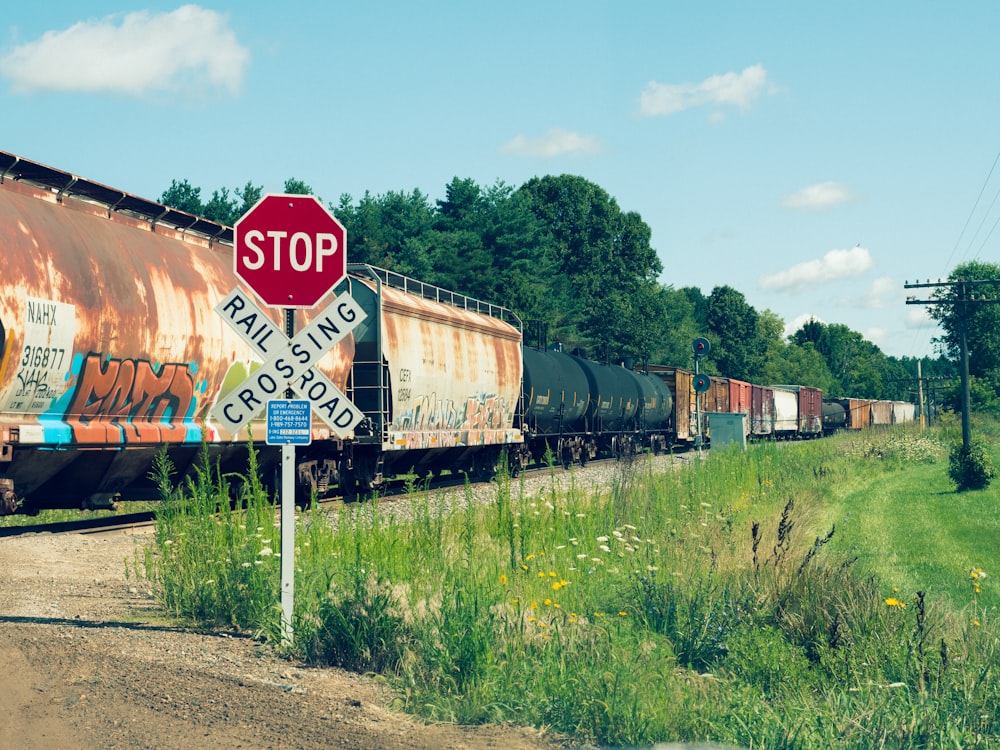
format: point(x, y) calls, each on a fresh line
point(750, 599)
point(913, 531)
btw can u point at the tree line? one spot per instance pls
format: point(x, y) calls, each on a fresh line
point(561, 253)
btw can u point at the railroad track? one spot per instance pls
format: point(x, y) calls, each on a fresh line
point(396, 492)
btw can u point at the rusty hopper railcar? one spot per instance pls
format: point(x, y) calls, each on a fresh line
point(110, 345)
point(438, 375)
point(110, 349)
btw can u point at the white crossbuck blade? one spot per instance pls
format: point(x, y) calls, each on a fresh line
point(288, 363)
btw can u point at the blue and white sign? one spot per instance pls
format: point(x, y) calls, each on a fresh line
point(289, 422)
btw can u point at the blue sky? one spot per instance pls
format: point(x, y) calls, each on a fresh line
point(813, 156)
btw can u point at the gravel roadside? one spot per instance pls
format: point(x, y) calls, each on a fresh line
point(88, 662)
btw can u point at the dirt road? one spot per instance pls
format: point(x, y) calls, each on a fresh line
point(86, 662)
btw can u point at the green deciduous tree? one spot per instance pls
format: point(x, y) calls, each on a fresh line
point(965, 304)
point(603, 262)
point(732, 326)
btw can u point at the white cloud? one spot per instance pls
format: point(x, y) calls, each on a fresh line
point(132, 54)
point(556, 142)
point(882, 292)
point(737, 89)
point(877, 335)
point(836, 264)
point(820, 195)
point(917, 317)
point(800, 321)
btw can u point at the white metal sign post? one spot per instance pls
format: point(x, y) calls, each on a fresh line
point(289, 363)
point(291, 252)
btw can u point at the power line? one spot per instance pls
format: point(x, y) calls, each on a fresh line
point(959, 304)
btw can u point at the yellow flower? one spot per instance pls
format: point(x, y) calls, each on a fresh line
point(623, 614)
point(547, 602)
point(523, 566)
point(530, 557)
point(503, 579)
point(894, 602)
point(541, 574)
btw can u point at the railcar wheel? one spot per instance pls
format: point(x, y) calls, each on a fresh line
point(8, 500)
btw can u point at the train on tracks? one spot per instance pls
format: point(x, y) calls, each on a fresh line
point(111, 351)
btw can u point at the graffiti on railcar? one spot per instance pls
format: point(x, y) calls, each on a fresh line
point(432, 422)
point(49, 328)
point(479, 412)
point(132, 401)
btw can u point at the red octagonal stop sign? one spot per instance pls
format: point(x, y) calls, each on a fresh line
point(289, 250)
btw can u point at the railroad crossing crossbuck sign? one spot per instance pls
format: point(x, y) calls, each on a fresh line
point(288, 363)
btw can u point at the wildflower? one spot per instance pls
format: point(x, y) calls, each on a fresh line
point(623, 613)
point(584, 556)
point(245, 565)
point(894, 602)
point(503, 579)
point(605, 548)
point(977, 573)
point(541, 574)
point(532, 619)
point(976, 623)
point(603, 539)
point(552, 574)
point(265, 551)
point(530, 557)
point(547, 602)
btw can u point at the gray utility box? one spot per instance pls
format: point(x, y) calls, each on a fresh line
point(726, 428)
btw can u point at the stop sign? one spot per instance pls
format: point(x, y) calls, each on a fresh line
point(289, 250)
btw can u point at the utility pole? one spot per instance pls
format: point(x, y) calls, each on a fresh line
point(920, 394)
point(961, 304)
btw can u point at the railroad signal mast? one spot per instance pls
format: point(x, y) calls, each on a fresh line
point(701, 383)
